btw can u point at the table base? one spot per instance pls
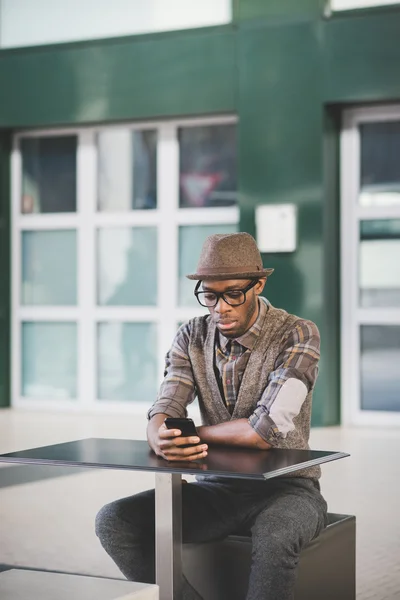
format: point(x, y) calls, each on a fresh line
point(169, 535)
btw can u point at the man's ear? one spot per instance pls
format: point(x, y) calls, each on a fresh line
point(260, 285)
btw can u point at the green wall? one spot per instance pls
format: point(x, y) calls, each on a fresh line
point(281, 132)
point(361, 57)
point(277, 9)
point(140, 77)
point(286, 71)
point(5, 260)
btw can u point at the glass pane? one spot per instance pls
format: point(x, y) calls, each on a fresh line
point(379, 263)
point(127, 266)
point(49, 268)
point(49, 360)
point(127, 170)
point(380, 164)
point(208, 166)
point(127, 362)
point(380, 374)
point(191, 239)
point(48, 174)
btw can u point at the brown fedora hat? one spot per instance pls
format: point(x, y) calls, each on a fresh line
point(230, 256)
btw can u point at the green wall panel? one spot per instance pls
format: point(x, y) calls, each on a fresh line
point(280, 156)
point(362, 57)
point(185, 73)
point(5, 265)
point(330, 246)
point(292, 9)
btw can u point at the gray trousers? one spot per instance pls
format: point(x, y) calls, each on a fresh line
point(283, 515)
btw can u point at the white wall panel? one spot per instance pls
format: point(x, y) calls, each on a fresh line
point(353, 4)
point(35, 22)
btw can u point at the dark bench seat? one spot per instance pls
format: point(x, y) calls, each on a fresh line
point(220, 570)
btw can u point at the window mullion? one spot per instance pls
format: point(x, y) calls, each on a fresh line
point(16, 242)
point(86, 182)
point(168, 191)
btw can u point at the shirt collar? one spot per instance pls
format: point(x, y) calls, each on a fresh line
point(249, 338)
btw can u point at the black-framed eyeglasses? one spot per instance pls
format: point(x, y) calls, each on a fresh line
point(231, 297)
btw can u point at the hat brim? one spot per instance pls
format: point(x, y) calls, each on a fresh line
point(225, 276)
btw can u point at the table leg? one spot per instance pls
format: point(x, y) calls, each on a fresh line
point(169, 535)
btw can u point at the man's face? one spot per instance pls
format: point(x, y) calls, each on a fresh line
point(234, 321)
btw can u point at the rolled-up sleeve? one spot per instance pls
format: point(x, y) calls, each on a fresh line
point(177, 389)
point(294, 375)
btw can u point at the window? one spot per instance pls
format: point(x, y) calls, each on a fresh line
point(49, 268)
point(380, 164)
point(207, 174)
point(48, 174)
point(127, 169)
point(379, 360)
point(379, 265)
point(107, 221)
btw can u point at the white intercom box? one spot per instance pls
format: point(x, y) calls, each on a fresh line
point(276, 227)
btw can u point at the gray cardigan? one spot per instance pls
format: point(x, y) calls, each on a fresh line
point(255, 378)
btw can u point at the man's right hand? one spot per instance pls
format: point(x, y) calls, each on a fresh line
point(168, 443)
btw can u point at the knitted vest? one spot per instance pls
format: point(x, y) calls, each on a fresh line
point(254, 381)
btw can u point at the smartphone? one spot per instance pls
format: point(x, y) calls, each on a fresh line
point(186, 426)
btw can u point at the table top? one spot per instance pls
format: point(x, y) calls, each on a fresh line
point(135, 455)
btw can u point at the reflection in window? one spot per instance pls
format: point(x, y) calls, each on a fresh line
point(191, 239)
point(208, 166)
point(127, 362)
point(380, 374)
point(379, 260)
point(380, 164)
point(127, 170)
point(49, 268)
point(48, 174)
point(49, 360)
point(127, 266)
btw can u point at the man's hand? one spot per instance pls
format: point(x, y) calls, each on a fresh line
point(168, 443)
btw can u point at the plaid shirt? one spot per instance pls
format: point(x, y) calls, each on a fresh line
point(231, 357)
point(298, 359)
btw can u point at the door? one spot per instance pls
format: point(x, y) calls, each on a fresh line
point(370, 266)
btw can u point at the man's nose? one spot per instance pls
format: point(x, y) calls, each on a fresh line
point(222, 306)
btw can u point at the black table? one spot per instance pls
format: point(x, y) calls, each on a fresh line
point(134, 455)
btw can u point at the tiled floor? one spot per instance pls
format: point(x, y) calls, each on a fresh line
point(46, 521)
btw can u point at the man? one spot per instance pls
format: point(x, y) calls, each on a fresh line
point(253, 368)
